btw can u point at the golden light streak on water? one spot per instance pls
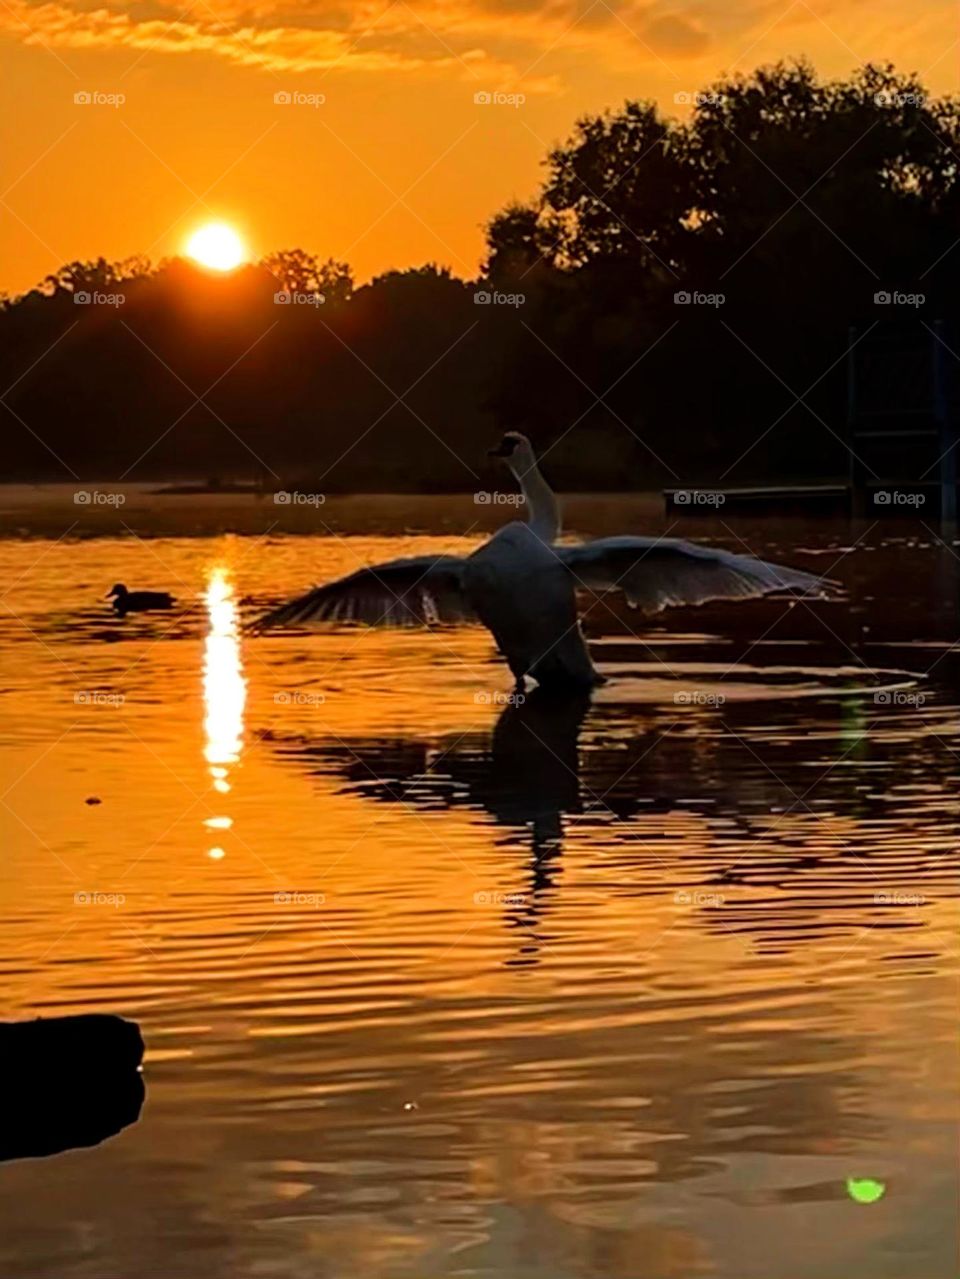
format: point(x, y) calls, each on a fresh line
point(224, 690)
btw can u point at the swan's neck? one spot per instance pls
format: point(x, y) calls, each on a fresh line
point(543, 509)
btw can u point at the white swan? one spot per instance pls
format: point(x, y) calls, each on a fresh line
point(522, 584)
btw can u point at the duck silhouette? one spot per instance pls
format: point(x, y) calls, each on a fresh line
point(125, 601)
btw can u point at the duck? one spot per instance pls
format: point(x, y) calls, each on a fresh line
point(125, 601)
point(522, 584)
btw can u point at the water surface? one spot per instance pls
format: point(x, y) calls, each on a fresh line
point(434, 984)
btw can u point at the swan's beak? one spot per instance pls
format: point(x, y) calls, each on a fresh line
point(503, 449)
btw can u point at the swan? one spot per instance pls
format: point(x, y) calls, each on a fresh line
point(522, 583)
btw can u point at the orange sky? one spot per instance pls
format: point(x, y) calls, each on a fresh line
point(399, 165)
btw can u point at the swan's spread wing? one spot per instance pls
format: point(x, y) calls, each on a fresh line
point(408, 592)
point(655, 573)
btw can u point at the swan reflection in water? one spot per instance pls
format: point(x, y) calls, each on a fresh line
point(526, 774)
point(535, 769)
point(224, 693)
point(695, 802)
point(534, 773)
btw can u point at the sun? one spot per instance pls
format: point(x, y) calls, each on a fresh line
point(217, 246)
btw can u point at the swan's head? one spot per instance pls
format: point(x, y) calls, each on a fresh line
point(119, 589)
point(516, 450)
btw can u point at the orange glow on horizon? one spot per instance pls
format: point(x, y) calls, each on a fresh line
point(385, 153)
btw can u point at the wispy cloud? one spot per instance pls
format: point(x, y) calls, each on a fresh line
point(502, 43)
point(492, 40)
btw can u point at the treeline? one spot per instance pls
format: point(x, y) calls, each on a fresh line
point(676, 291)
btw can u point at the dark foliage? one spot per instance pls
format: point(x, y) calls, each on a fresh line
point(796, 201)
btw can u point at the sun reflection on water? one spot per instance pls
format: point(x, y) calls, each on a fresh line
point(224, 690)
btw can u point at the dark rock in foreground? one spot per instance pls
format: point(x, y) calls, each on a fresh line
point(67, 1082)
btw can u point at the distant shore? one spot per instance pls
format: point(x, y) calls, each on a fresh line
point(102, 509)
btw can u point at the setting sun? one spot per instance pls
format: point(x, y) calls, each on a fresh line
point(217, 246)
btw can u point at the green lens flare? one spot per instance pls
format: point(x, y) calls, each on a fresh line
point(865, 1190)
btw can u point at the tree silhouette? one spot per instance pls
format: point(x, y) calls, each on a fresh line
point(788, 200)
point(296, 271)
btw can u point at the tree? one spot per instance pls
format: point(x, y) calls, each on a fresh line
point(297, 271)
point(99, 276)
point(791, 200)
point(517, 243)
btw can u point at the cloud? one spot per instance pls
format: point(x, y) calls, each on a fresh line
point(58, 25)
point(676, 36)
point(474, 40)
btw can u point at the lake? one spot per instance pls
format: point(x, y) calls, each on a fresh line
point(434, 983)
